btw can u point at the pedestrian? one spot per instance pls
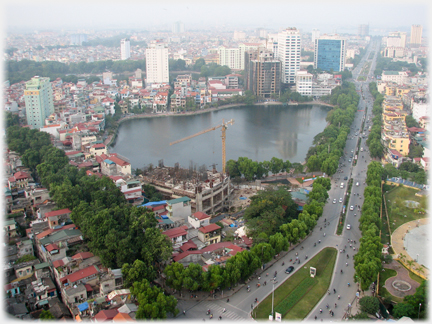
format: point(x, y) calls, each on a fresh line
point(316, 317)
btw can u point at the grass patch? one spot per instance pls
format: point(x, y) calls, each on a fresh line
point(383, 292)
point(413, 276)
point(297, 296)
point(398, 213)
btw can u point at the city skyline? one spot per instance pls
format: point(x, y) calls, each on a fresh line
point(330, 17)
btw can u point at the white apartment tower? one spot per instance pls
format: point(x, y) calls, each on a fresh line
point(125, 48)
point(157, 68)
point(416, 34)
point(39, 103)
point(315, 35)
point(289, 51)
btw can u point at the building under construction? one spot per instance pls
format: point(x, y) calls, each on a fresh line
point(263, 73)
point(209, 191)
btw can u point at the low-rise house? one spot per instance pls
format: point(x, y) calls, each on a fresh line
point(110, 281)
point(177, 235)
point(39, 292)
point(25, 269)
point(199, 219)
point(179, 208)
point(210, 234)
point(129, 309)
point(10, 228)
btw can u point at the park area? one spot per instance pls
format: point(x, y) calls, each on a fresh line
point(402, 206)
point(299, 294)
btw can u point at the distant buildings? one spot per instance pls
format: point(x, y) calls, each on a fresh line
point(315, 35)
point(38, 101)
point(330, 53)
point(289, 51)
point(234, 58)
point(157, 62)
point(262, 73)
point(416, 34)
point(125, 48)
point(77, 39)
point(178, 27)
point(363, 30)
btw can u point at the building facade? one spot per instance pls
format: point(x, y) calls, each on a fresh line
point(289, 52)
point(262, 74)
point(125, 48)
point(416, 34)
point(304, 83)
point(39, 101)
point(178, 27)
point(330, 53)
point(157, 63)
point(363, 30)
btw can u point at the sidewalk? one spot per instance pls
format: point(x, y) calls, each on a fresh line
point(397, 243)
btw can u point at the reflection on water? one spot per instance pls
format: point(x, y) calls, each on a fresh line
point(259, 133)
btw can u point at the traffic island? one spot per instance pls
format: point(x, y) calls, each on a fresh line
point(296, 297)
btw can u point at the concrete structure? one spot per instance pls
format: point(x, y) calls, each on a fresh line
point(77, 39)
point(178, 27)
point(157, 63)
point(179, 208)
point(210, 234)
point(304, 83)
point(125, 48)
point(397, 39)
point(330, 53)
point(416, 34)
point(363, 30)
point(262, 73)
point(315, 35)
point(399, 77)
point(289, 51)
point(206, 196)
point(419, 110)
point(38, 101)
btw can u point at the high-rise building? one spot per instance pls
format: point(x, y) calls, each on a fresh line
point(416, 34)
point(363, 30)
point(262, 73)
point(315, 35)
point(125, 48)
point(330, 53)
point(272, 44)
point(234, 57)
point(39, 103)
point(396, 39)
point(77, 39)
point(178, 27)
point(157, 69)
point(289, 51)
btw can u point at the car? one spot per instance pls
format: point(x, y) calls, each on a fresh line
point(349, 160)
point(352, 151)
point(289, 269)
point(340, 200)
point(357, 184)
point(351, 207)
point(348, 226)
point(346, 178)
point(334, 201)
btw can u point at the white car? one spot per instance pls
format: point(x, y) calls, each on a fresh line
point(348, 226)
point(334, 201)
point(340, 200)
point(351, 207)
point(357, 184)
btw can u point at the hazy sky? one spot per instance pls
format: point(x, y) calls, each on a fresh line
point(271, 14)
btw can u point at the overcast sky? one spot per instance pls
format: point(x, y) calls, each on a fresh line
point(271, 14)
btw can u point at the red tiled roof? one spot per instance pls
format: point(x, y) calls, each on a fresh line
point(118, 161)
point(200, 215)
point(209, 228)
point(176, 232)
point(80, 274)
point(106, 315)
point(58, 212)
point(51, 247)
point(57, 263)
point(20, 175)
point(82, 255)
point(120, 317)
point(88, 287)
point(98, 145)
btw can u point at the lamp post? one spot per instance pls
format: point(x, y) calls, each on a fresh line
point(273, 301)
point(418, 317)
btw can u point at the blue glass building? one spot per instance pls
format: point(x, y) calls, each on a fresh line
point(330, 54)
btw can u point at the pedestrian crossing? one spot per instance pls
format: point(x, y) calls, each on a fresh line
point(231, 314)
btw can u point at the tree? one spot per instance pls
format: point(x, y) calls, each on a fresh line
point(46, 315)
point(174, 275)
point(410, 263)
point(134, 272)
point(369, 304)
point(152, 302)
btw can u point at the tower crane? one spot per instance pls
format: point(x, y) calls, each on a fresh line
point(224, 127)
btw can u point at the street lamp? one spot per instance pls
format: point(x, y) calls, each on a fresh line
point(273, 301)
point(418, 317)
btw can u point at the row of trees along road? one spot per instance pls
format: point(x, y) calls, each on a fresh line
point(120, 234)
point(329, 144)
point(376, 148)
point(368, 260)
point(266, 205)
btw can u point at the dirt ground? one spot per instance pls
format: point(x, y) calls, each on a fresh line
point(237, 193)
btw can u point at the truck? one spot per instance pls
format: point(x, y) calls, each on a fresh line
point(342, 185)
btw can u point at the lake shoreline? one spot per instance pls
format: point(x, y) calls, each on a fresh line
point(109, 141)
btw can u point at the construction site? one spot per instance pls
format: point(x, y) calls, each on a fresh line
point(209, 191)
